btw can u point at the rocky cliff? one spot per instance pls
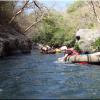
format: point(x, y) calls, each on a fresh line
point(12, 41)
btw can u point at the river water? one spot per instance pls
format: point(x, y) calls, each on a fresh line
point(38, 76)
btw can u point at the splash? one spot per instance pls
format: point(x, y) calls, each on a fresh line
point(61, 60)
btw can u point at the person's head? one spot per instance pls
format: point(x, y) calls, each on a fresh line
point(69, 52)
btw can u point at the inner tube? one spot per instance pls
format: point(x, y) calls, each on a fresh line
point(69, 53)
point(82, 63)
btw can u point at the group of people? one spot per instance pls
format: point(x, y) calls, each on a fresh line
point(68, 52)
point(46, 49)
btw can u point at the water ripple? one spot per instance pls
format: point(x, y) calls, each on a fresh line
point(38, 76)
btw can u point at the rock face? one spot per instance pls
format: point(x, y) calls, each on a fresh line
point(87, 36)
point(11, 41)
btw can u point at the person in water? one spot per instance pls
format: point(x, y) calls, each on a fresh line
point(68, 53)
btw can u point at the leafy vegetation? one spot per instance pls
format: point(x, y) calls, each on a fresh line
point(75, 6)
point(7, 11)
point(59, 29)
point(56, 28)
point(96, 45)
point(54, 32)
point(76, 47)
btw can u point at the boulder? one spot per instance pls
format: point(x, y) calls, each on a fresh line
point(87, 36)
point(24, 45)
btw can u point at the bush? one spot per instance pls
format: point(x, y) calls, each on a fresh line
point(6, 10)
point(75, 6)
point(57, 40)
point(76, 47)
point(55, 31)
point(96, 45)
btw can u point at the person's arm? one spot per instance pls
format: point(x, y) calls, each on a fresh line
point(65, 57)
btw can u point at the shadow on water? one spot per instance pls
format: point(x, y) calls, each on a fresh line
point(37, 76)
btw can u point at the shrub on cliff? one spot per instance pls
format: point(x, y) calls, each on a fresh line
point(96, 45)
point(6, 10)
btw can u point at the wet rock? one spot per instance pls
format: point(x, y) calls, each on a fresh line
point(1, 49)
point(25, 45)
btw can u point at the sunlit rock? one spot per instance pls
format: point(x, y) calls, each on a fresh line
point(87, 36)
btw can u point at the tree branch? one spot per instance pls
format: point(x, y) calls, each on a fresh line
point(20, 11)
point(36, 5)
point(36, 18)
point(93, 7)
point(34, 23)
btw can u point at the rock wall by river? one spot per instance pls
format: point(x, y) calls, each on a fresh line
point(12, 41)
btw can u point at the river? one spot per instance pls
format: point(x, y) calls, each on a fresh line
point(38, 76)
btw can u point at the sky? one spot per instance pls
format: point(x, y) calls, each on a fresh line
point(59, 5)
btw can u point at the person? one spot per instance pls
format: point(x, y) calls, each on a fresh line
point(44, 49)
point(48, 47)
point(63, 48)
point(68, 53)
